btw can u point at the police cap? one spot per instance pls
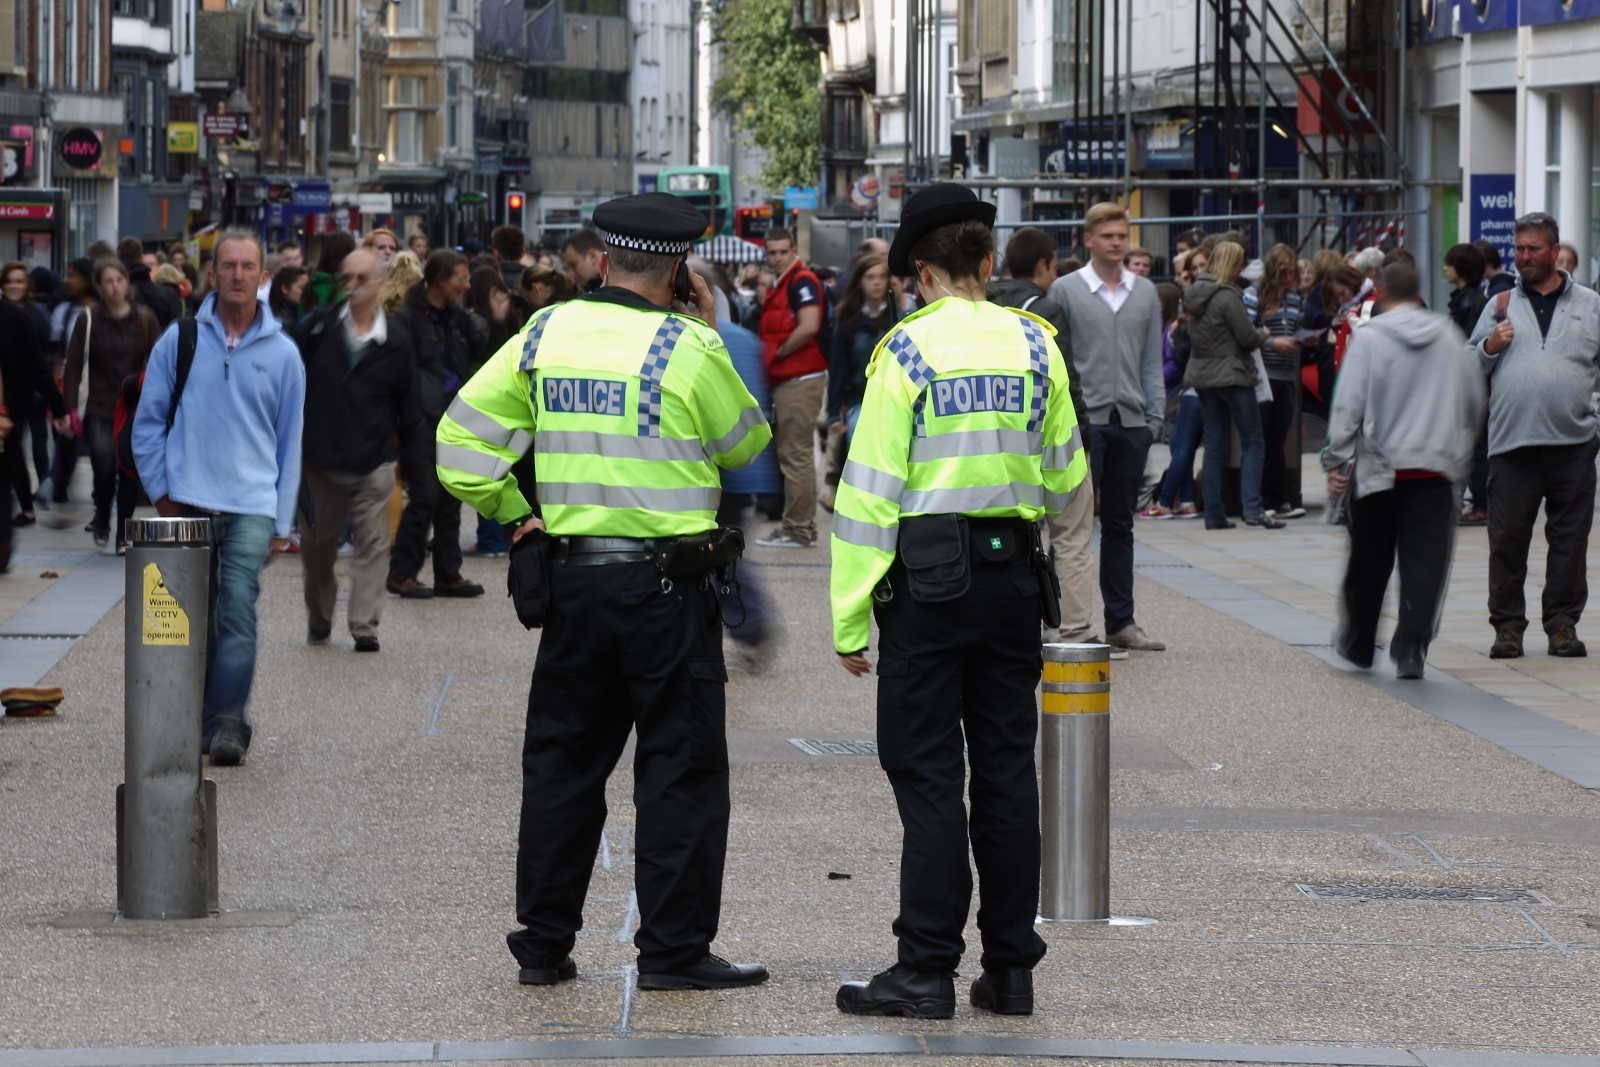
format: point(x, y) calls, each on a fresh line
point(928, 209)
point(650, 222)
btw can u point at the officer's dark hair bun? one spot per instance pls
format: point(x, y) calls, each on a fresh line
point(957, 249)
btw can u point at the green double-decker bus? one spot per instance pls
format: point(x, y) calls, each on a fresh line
point(709, 189)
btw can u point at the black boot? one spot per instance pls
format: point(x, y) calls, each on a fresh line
point(1007, 992)
point(564, 971)
point(901, 991)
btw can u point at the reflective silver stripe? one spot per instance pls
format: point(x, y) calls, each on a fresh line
point(695, 498)
point(468, 461)
point(1059, 501)
point(520, 440)
point(749, 419)
point(1059, 457)
point(971, 498)
point(484, 427)
point(615, 446)
point(855, 532)
point(872, 480)
point(990, 442)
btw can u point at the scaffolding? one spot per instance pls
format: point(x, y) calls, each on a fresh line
point(1315, 71)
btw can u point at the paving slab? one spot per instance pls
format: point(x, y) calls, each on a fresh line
point(367, 850)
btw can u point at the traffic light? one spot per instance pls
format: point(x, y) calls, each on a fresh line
point(514, 203)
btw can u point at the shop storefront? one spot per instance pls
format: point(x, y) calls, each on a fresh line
point(85, 170)
point(30, 227)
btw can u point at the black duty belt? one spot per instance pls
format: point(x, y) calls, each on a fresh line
point(598, 551)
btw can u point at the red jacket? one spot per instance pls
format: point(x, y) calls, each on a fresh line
point(797, 288)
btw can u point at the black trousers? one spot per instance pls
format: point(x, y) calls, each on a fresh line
point(964, 669)
point(101, 439)
point(1116, 459)
point(1561, 477)
point(618, 654)
point(429, 509)
point(1415, 520)
point(1276, 419)
point(16, 464)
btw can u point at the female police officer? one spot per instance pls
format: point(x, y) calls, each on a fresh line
point(967, 436)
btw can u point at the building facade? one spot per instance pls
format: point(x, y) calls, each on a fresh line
point(662, 87)
point(580, 119)
point(152, 71)
point(1501, 101)
point(60, 129)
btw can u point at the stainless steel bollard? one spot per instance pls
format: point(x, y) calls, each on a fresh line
point(1075, 793)
point(166, 841)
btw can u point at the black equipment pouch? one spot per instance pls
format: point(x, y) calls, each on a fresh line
point(994, 545)
point(528, 578)
point(934, 553)
point(1049, 582)
point(701, 554)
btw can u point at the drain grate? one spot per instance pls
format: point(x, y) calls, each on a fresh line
point(1426, 893)
point(835, 748)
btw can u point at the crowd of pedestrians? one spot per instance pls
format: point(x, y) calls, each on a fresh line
point(1427, 430)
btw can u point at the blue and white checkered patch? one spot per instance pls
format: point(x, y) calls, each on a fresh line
point(1039, 357)
point(650, 375)
point(917, 370)
point(530, 348)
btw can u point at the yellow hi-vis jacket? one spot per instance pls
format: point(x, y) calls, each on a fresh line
point(967, 412)
point(630, 410)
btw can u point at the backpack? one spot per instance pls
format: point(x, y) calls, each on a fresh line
point(133, 388)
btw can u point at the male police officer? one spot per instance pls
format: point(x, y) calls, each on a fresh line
point(632, 404)
point(967, 436)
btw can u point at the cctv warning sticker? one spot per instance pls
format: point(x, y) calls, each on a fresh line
point(165, 622)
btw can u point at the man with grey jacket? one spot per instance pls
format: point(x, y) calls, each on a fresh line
point(1114, 329)
point(1407, 412)
point(1539, 344)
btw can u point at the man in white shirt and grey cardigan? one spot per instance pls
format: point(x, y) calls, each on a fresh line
point(1115, 323)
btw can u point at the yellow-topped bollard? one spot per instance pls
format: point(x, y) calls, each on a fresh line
point(1075, 787)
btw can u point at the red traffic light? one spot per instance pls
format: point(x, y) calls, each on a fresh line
point(514, 201)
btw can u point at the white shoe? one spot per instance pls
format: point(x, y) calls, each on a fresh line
point(779, 539)
point(1289, 511)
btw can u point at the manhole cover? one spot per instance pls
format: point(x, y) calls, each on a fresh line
point(835, 748)
point(1444, 893)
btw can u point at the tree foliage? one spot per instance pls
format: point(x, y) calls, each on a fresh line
point(768, 86)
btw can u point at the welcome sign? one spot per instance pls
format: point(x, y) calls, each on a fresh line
point(1493, 213)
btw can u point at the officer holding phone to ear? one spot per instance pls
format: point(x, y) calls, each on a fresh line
point(966, 438)
point(632, 408)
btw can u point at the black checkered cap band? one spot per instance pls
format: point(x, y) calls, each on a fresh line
point(645, 244)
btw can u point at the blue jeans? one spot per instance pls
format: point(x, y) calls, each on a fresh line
point(239, 547)
point(1216, 406)
point(491, 536)
point(1178, 485)
point(852, 415)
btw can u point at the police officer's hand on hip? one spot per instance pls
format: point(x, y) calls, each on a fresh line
point(966, 438)
point(632, 408)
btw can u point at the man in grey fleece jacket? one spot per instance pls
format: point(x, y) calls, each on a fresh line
point(1114, 322)
point(1540, 349)
point(1407, 410)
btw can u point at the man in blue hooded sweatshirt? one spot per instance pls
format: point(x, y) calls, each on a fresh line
point(232, 455)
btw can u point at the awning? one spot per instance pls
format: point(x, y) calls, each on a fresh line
point(728, 249)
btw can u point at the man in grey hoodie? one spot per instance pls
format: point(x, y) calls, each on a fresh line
point(1407, 412)
point(1539, 344)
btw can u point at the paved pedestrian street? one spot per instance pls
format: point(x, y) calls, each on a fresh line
point(367, 849)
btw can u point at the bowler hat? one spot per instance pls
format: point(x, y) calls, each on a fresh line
point(937, 205)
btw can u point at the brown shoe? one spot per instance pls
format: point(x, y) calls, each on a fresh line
point(409, 588)
point(1564, 643)
point(29, 701)
point(1507, 645)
